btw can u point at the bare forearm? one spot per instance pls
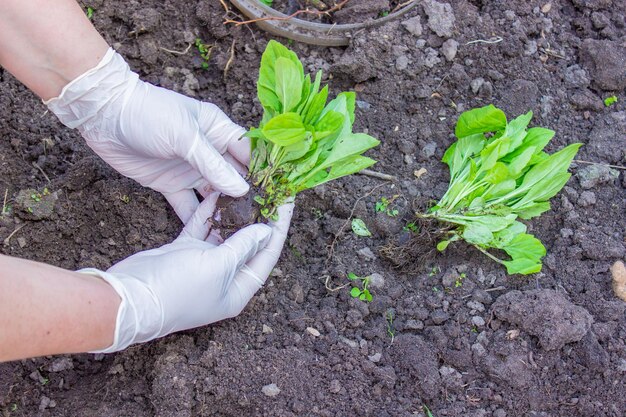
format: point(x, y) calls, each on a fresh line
point(47, 43)
point(46, 310)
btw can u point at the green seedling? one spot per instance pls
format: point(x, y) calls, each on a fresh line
point(360, 228)
point(205, 52)
point(267, 2)
point(383, 206)
point(434, 271)
point(499, 173)
point(609, 101)
point(89, 13)
point(459, 281)
point(360, 291)
point(427, 411)
point(302, 141)
point(411, 227)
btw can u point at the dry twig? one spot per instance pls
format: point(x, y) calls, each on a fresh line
point(230, 59)
point(171, 51)
point(376, 174)
point(17, 229)
point(599, 163)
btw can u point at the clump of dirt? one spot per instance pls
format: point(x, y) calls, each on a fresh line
point(415, 245)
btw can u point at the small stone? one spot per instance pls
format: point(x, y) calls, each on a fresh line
point(297, 293)
point(587, 198)
point(46, 402)
point(478, 321)
point(499, 413)
point(593, 175)
point(476, 83)
point(449, 49)
point(363, 104)
point(475, 305)
point(440, 17)
point(412, 324)
point(60, 365)
point(432, 57)
point(271, 390)
point(21, 241)
point(482, 296)
point(376, 280)
point(402, 63)
point(375, 357)
point(509, 15)
point(413, 26)
point(335, 386)
point(267, 329)
point(428, 150)
point(479, 350)
point(98, 357)
point(366, 253)
point(313, 331)
point(439, 316)
point(349, 342)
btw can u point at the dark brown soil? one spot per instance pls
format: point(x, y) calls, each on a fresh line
point(455, 334)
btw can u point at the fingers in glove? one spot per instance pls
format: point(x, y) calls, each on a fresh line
point(184, 203)
point(218, 128)
point(198, 226)
point(241, 168)
point(241, 247)
point(254, 274)
point(240, 149)
point(221, 175)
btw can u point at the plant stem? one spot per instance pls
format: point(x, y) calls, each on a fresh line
point(500, 261)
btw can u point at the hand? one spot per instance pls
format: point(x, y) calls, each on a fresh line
point(191, 282)
point(162, 139)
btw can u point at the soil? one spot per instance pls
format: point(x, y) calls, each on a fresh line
point(454, 334)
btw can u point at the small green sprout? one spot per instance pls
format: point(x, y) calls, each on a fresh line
point(384, 13)
point(205, 52)
point(125, 199)
point(360, 291)
point(459, 281)
point(434, 271)
point(609, 101)
point(267, 2)
point(411, 227)
point(427, 411)
point(89, 12)
point(14, 407)
point(383, 206)
point(317, 213)
point(29, 209)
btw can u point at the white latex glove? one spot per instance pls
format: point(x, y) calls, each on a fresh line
point(162, 139)
point(190, 282)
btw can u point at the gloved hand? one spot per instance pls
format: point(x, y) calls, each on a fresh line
point(162, 139)
point(191, 282)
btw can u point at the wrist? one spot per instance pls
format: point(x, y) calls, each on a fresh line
point(139, 316)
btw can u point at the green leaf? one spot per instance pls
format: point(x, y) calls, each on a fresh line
point(500, 189)
point(543, 190)
point(285, 129)
point(525, 245)
point(266, 84)
point(355, 292)
point(328, 124)
point(534, 210)
point(555, 164)
point(366, 295)
point(297, 150)
point(477, 234)
point(346, 166)
point(497, 174)
point(505, 236)
point(352, 276)
point(359, 228)
point(516, 129)
point(492, 152)
point(481, 120)
point(441, 246)
point(519, 162)
point(314, 110)
point(523, 266)
point(289, 81)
